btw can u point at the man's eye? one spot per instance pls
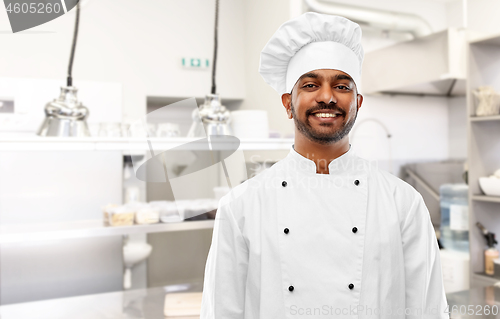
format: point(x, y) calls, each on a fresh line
point(344, 87)
point(309, 85)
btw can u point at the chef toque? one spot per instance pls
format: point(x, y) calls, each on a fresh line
point(310, 42)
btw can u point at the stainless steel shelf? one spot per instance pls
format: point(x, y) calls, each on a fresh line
point(483, 151)
point(38, 143)
point(489, 39)
point(89, 228)
point(484, 118)
point(135, 303)
point(484, 277)
point(485, 198)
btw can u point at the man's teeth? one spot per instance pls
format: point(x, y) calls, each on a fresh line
point(325, 115)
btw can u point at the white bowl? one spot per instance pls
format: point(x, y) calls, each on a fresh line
point(134, 253)
point(490, 185)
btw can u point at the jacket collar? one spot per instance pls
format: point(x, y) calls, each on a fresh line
point(339, 165)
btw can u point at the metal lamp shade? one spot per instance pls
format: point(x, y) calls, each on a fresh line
point(65, 116)
point(212, 118)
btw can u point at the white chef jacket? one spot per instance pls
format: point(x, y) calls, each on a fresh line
point(355, 243)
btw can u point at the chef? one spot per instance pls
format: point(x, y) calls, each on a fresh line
point(322, 233)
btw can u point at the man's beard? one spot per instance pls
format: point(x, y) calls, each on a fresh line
point(319, 137)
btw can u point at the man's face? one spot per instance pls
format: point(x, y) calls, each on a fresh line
point(323, 91)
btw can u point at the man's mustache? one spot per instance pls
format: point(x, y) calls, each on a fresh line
point(324, 106)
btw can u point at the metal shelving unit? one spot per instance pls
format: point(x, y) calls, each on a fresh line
point(128, 144)
point(89, 228)
point(484, 118)
point(483, 152)
point(485, 198)
point(95, 227)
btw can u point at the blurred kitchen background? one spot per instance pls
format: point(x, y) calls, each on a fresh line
point(76, 221)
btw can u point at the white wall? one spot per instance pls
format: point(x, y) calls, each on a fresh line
point(103, 99)
point(455, 14)
point(139, 44)
point(482, 16)
point(418, 127)
point(262, 19)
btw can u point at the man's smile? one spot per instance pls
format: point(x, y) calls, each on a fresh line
point(324, 117)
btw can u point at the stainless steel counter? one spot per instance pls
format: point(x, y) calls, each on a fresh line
point(481, 303)
point(148, 304)
point(131, 304)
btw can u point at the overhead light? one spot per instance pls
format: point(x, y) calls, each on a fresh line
point(66, 116)
point(211, 118)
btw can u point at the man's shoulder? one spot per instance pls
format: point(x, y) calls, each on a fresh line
point(396, 191)
point(388, 182)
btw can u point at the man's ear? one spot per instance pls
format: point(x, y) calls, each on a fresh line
point(360, 101)
point(286, 99)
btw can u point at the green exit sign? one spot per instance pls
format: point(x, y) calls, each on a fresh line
point(195, 63)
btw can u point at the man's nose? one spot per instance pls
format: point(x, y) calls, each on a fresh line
point(326, 95)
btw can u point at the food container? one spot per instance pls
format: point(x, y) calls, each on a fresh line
point(147, 215)
point(171, 211)
point(161, 205)
point(121, 216)
point(106, 211)
point(487, 101)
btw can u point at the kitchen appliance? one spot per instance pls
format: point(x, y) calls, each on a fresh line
point(454, 217)
point(66, 116)
point(434, 65)
point(212, 118)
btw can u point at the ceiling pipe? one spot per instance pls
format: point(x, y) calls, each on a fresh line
point(385, 20)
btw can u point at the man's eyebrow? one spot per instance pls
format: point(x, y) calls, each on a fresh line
point(310, 75)
point(343, 77)
point(318, 76)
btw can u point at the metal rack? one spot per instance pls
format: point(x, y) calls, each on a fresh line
point(126, 144)
point(89, 228)
point(483, 152)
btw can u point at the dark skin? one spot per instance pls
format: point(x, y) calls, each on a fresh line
point(331, 91)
